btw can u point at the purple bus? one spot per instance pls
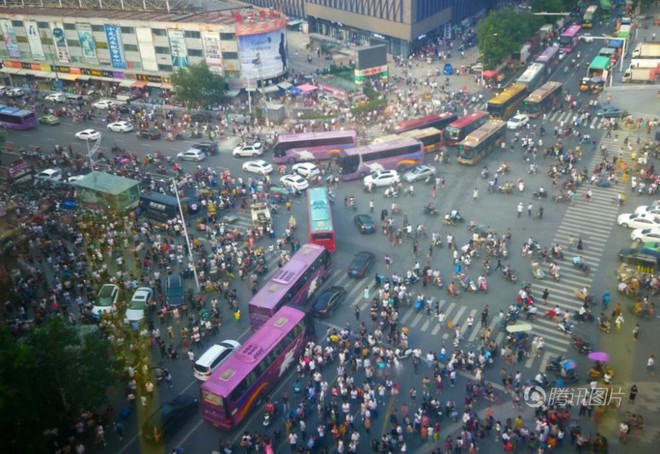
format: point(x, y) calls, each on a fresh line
point(250, 373)
point(569, 39)
point(312, 146)
point(293, 284)
point(549, 58)
point(396, 154)
point(15, 118)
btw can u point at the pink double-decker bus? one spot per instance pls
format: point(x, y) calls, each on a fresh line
point(312, 146)
point(244, 380)
point(569, 39)
point(293, 284)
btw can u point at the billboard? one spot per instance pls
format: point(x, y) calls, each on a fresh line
point(371, 57)
point(212, 51)
point(115, 46)
point(59, 40)
point(87, 44)
point(10, 38)
point(32, 32)
point(146, 45)
point(178, 48)
point(263, 56)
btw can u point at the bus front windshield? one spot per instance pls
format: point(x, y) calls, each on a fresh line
point(466, 152)
point(452, 132)
point(348, 164)
point(566, 40)
point(532, 108)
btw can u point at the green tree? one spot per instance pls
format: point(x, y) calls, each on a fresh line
point(197, 86)
point(46, 379)
point(548, 6)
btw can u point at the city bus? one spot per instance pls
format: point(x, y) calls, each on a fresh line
point(569, 39)
point(319, 212)
point(533, 76)
point(549, 58)
point(460, 128)
point(244, 380)
point(438, 121)
point(543, 99)
point(398, 154)
point(312, 146)
point(590, 17)
point(481, 142)
point(431, 138)
point(293, 284)
point(15, 118)
point(505, 103)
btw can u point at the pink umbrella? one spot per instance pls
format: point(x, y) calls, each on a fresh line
point(599, 356)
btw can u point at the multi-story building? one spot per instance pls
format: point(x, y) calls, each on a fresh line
point(401, 24)
point(138, 48)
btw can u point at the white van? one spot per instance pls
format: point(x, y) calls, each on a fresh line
point(212, 358)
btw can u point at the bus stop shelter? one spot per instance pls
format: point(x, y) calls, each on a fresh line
point(100, 190)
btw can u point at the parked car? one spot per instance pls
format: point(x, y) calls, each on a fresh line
point(328, 301)
point(49, 175)
point(638, 221)
point(151, 134)
point(191, 155)
point(174, 294)
point(306, 169)
point(56, 97)
point(248, 150)
point(105, 104)
point(49, 119)
point(294, 181)
point(362, 262)
point(645, 235)
point(88, 134)
point(169, 418)
point(135, 311)
point(419, 173)
point(106, 300)
point(120, 126)
point(15, 92)
point(382, 178)
point(259, 166)
point(364, 223)
point(212, 358)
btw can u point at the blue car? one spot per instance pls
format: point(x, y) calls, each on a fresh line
point(448, 70)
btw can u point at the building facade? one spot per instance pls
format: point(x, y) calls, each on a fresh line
point(138, 48)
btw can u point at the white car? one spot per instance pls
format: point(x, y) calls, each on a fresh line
point(294, 181)
point(259, 166)
point(650, 209)
point(651, 234)
point(212, 358)
point(517, 121)
point(562, 55)
point(120, 126)
point(191, 155)
point(638, 221)
point(255, 149)
point(587, 38)
point(104, 104)
point(382, 178)
point(74, 178)
point(15, 92)
point(419, 173)
point(142, 297)
point(50, 175)
point(88, 134)
point(306, 169)
point(56, 97)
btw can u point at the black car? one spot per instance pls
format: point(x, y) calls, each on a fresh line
point(361, 264)
point(210, 148)
point(202, 117)
point(328, 301)
point(169, 418)
point(151, 134)
point(174, 295)
point(364, 223)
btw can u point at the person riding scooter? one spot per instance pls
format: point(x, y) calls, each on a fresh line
point(430, 209)
point(578, 262)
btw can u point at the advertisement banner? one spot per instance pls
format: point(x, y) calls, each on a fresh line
point(59, 40)
point(146, 46)
point(34, 40)
point(10, 38)
point(178, 48)
point(87, 44)
point(115, 46)
point(212, 52)
point(263, 56)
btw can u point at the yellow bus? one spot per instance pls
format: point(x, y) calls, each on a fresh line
point(504, 105)
point(431, 138)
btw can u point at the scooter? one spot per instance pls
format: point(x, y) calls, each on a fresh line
point(565, 327)
point(269, 414)
point(542, 380)
point(509, 275)
point(431, 211)
point(540, 194)
point(391, 193)
point(586, 317)
point(403, 353)
point(521, 185)
point(581, 266)
point(581, 345)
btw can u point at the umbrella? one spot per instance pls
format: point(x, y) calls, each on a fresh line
point(599, 356)
point(521, 327)
point(568, 364)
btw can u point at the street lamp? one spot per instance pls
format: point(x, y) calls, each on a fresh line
point(185, 234)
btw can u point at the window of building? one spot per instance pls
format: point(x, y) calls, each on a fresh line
point(227, 36)
point(69, 26)
point(230, 55)
point(195, 52)
point(162, 50)
point(98, 28)
point(43, 25)
point(101, 45)
point(131, 47)
point(165, 68)
point(128, 30)
point(191, 34)
point(159, 31)
point(18, 23)
point(73, 43)
point(21, 39)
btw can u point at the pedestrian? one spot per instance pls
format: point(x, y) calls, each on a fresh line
point(632, 394)
point(357, 313)
point(520, 209)
point(100, 435)
point(618, 322)
point(635, 332)
point(545, 295)
point(371, 206)
point(119, 429)
point(580, 246)
point(650, 365)
point(288, 205)
point(529, 210)
point(475, 194)
point(388, 261)
point(365, 293)
point(237, 315)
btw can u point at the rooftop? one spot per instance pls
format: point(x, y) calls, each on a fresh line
point(105, 182)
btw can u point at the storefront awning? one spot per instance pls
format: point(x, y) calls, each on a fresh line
point(167, 86)
point(10, 70)
point(65, 76)
point(139, 84)
point(284, 85)
point(153, 84)
point(271, 89)
point(307, 88)
point(126, 83)
point(104, 79)
point(42, 74)
point(83, 77)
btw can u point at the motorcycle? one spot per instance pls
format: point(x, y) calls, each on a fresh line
point(403, 353)
point(561, 198)
point(504, 168)
point(482, 284)
point(485, 173)
point(492, 185)
point(521, 185)
point(509, 275)
point(411, 279)
point(540, 194)
point(542, 380)
point(506, 188)
point(391, 193)
point(565, 327)
point(581, 345)
point(537, 272)
point(431, 211)
point(269, 413)
point(580, 265)
point(585, 317)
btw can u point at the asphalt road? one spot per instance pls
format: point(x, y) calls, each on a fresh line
point(496, 210)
